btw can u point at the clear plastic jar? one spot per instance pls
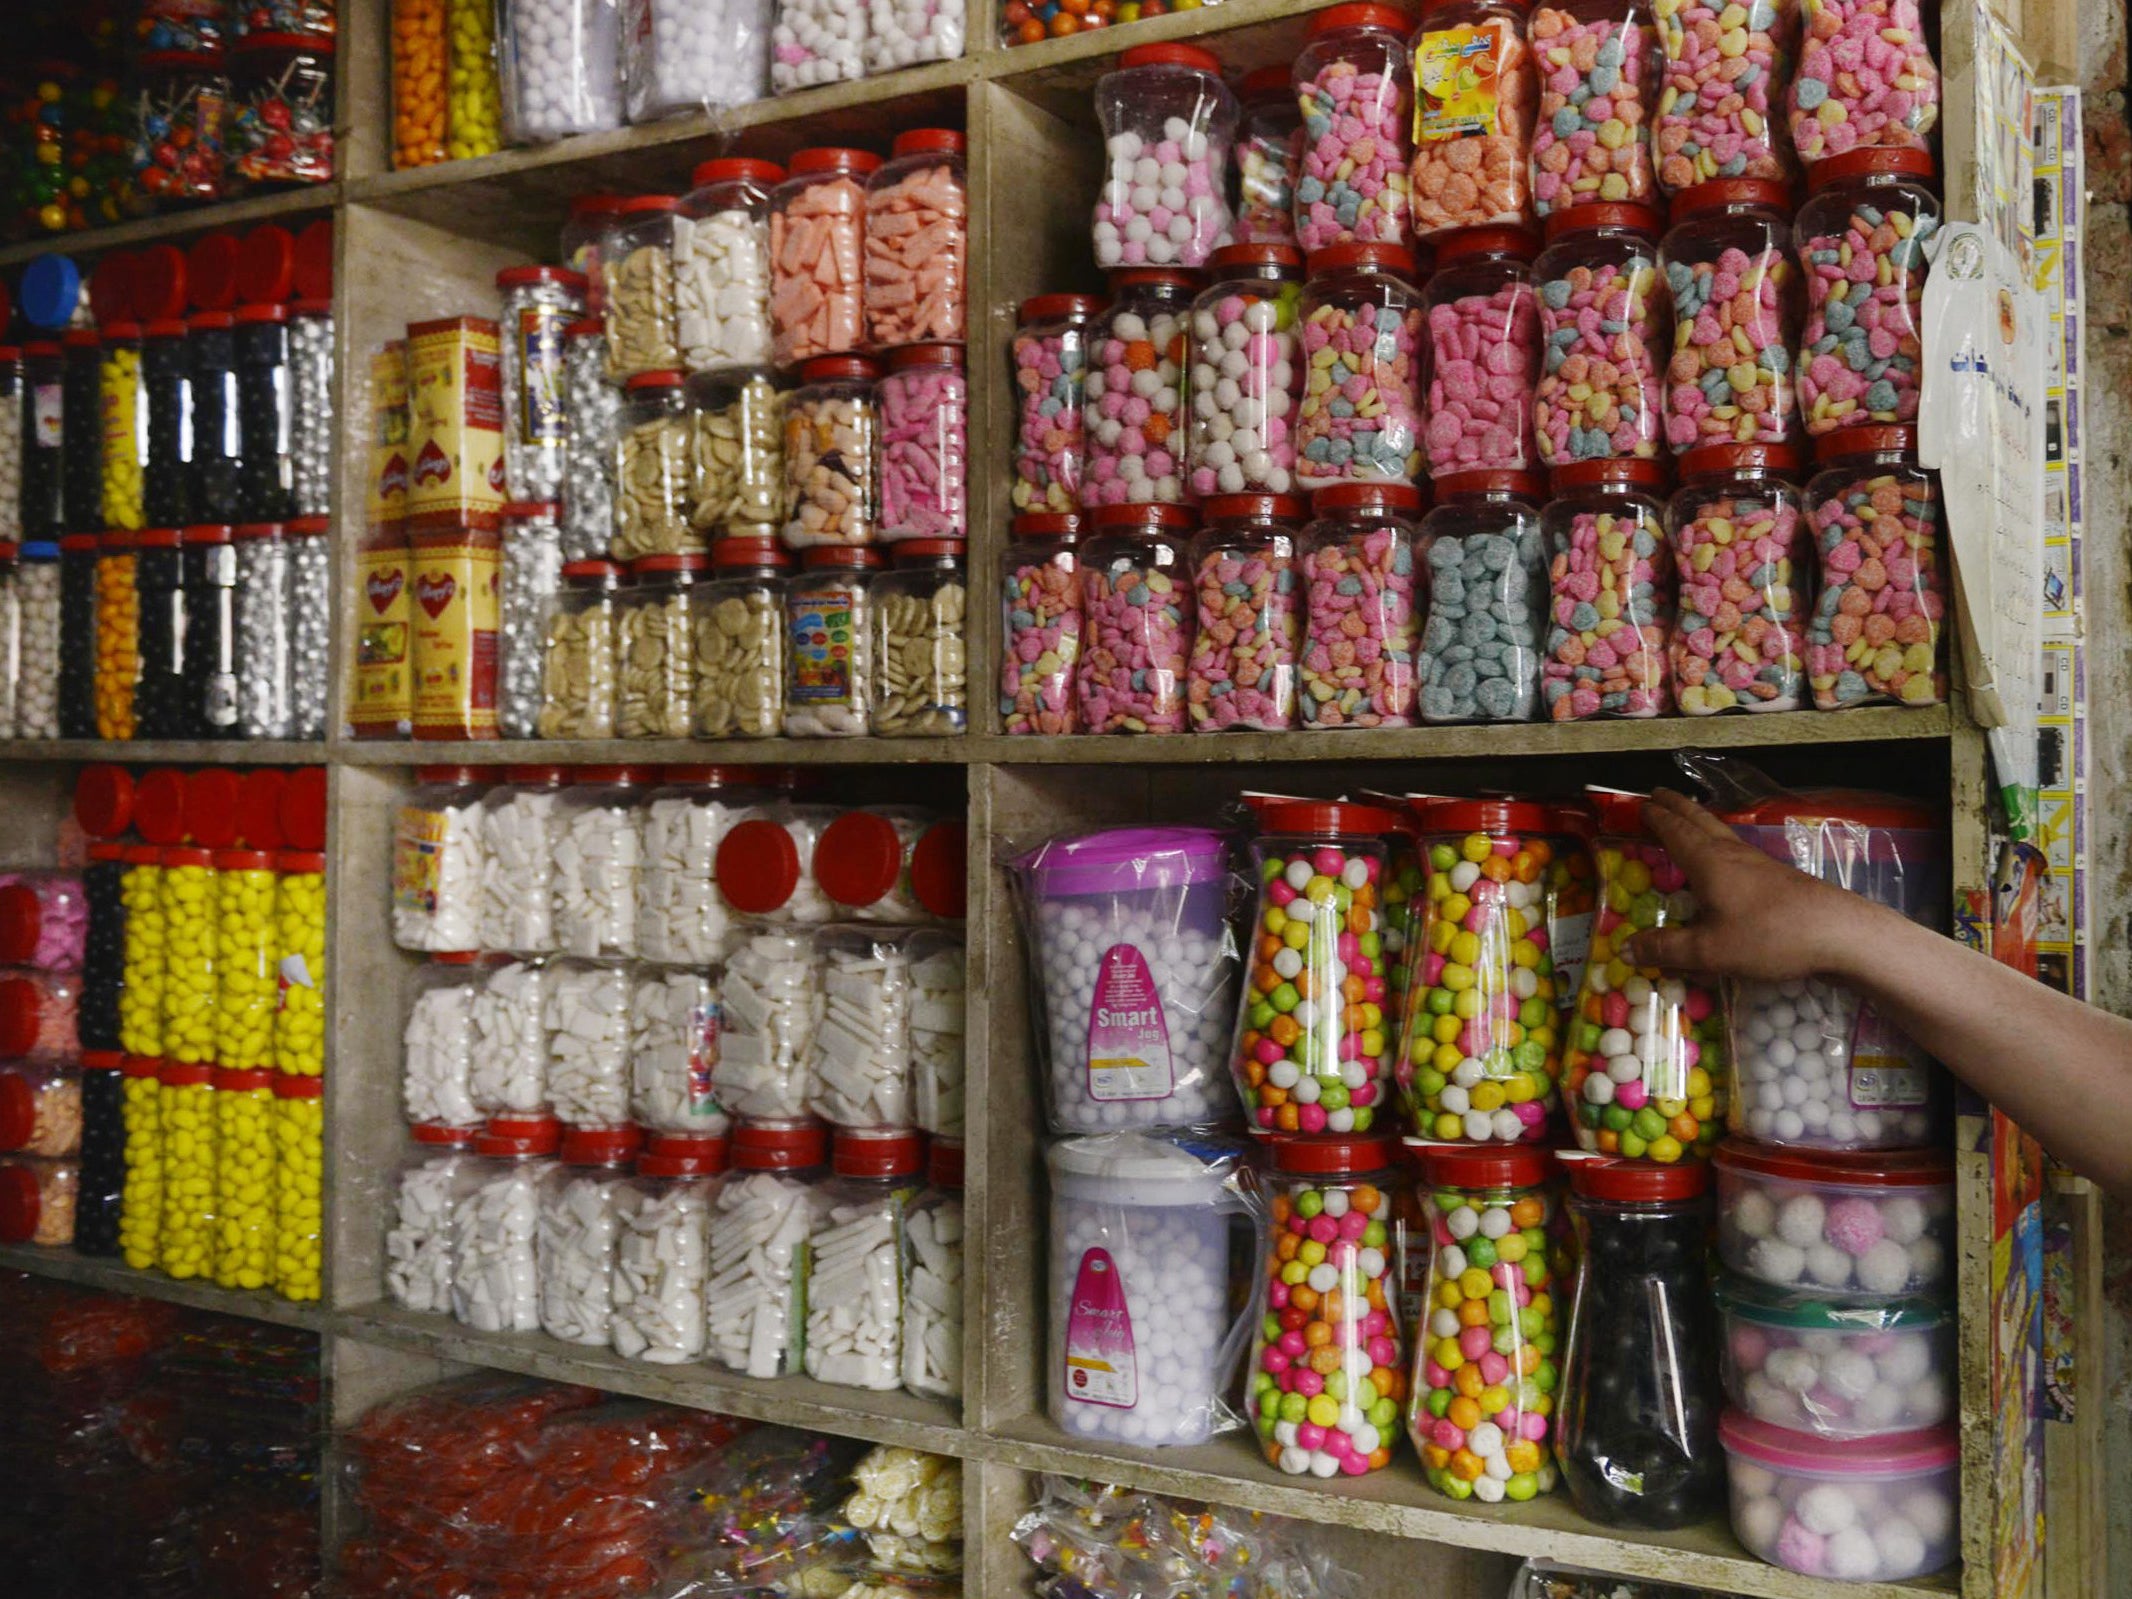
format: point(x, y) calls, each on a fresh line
point(1247, 372)
point(44, 920)
point(859, 1072)
point(437, 861)
point(1049, 355)
point(509, 1076)
point(40, 664)
point(1602, 376)
point(185, 1229)
point(766, 861)
point(854, 1292)
point(81, 443)
point(829, 628)
point(1603, 51)
point(1164, 103)
point(738, 489)
point(181, 125)
point(496, 1226)
point(297, 1122)
point(654, 470)
point(1610, 592)
point(922, 684)
point(1361, 328)
point(434, 1175)
point(578, 241)
point(162, 706)
point(209, 643)
point(590, 443)
point(1137, 608)
point(124, 446)
point(755, 1302)
point(37, 1017)
point(893, 863)
point(312, 407)
point(662, 1255)
point(1861, 240)
point(1489, 1212)
point(1636, 1426)
point(1835, 1371)
point(300, 916)
point(1268, 157)
point(247, 959)
point(1245, 577)
point(1354, 87)
point(10, 637)
point(577, 698)
point(832, 482)
point(41, 1111)
point(538, 303)
point(517, 911)
point(939, 1068)
point(244, 1173)
point(561, 68)
point(1040, 628)
point(1730, 377)
point(79, 665)
point(166, 378)
point(1473, 123)
point(103, 954)
point(281, 110)
point(1741, 549)
point(931, 1270)
point(532, 578)
point(673, 1050)
point(680, 56)
point(1875, 513)
point(681, 917)
point(140, 1222)
point(189, 987)
point(211, 347)
point(98, 1207)
point(655, 646)
point(721, 265)
point(310, 624)
point(596, 837)
point(1716, 119)
point(266, 470)
point(437, 1044)
point(37, 1201)
point(43, 433)
point(740, 642)
point(1852, 1229)
point(1644, 1073)
point(770, 1004)
point(917, 227)
point(637, 298)
point(14, 408)
point(264, 628)
point(922, 445)
point(140, 1002)
point(1484, 353)
point(1356, 657)
point(117, 631)
point(1866, 80)
point(817, 252)
point(1135, 441)
point(581, 1201)
point(1487, 561)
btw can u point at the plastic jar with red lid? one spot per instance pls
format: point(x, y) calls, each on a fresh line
point(761, 1221)
point(1134, 411)
point(1861, 238)
point(495, 1228)
point(817, 247)
point(1611, 592)
point(1742, 552)
point(893, 863)
point(920, 649)
point(581, 1201)
point(829, 633)
point(1049, 354)
point(854, 1294)
point(1166, 104)
point(1603, 335)
point(1360, 304)
point(1137, 612)
point(1879, 623)
point(44, 918)
point(662, 1255)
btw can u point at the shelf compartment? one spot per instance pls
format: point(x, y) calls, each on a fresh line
point(175, 226)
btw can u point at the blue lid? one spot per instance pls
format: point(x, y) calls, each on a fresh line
point(50, 290)
point(40, 550)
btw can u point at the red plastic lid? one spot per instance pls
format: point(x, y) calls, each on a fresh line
point(1618, 813)
point(266, 263)
point(910, 552)
point(1404, 498)
point(253, 315)
point(103, 800)
point(1622, 471)
point(1841, 805)
point(843, 557)
point(210, 321)
point(21, 1204)
point(18, 1107)
point(106, 850)
point(175, 328)
point(748, 552)
point(1480, 1166)
point(246, 532)
point(1054, 307)
point(143, 855)
point(779, 1146)
point(1468, 242)
point(1905, 1168)
point(457, 957)
point(159, 283)
point(653, 565)
point(603, 571)
point(521, 510)
point(314, 261)
point(159, 806)
point(1334, 1156)
point(21, 1014)
point(1046, 525)
point(712, 776)
point(1169, 55)
point(1150, 517)
point(1266, 83)
point(652, 380)
point(1907, 161)
point(111, 286)
point(940, 869)
point(139, 1066)
point(737, 169)
point(306, 527)
point(644, 204)
point(42, 349)
point(244, 860)
point(1720, 192)
point(101, 1060)
point(925, 355)
point(538, 776)
point(437, 1134)
point(1719, 460)
point(1584, 218)
point(1528, 486)
point(211, 797)
point(1129, 277)
point(187, 855)
point(307, 43)
point(519, 1135)
point(1483, 816)
point(1326, 819)
point(519, 276)
point(259, 795)
point(858, 858)
point(599, 1146)
point(184, 1073)
point(1344, 257)
point(1874, 440)
point(758, 866)
point(1638, 1182)
point(1362, 14)
point(1252, 508)
point(943, 1163)
point(593, 205)
point(832, 158)
point(608, 776)
point(233, 1080)
point(211, 271)
point(289, 861)
point(122, 333)
point(587, 327)
point(1262, 255)
point(456, 775)
point(830, 368)
point(877, 1152)
point(683, 1155)
point(76, 543)
point(925, 141)
point(1892, 1454)
point(303, 808)
point(296, 1085)
point(81, 339)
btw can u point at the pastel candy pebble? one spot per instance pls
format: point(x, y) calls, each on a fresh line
point(917, 247)
point(1484, 362)
point(1042, 634)
point(816, 273)
point(1611, 602)
point(1265, 181)
point(924, 449)
point(1724, 70)
point(1049, 446)
point(1480, 648)
point(1729, 380)
point(1471, 169)
point(1136, 652)
point(54, 905)
point(1133, 409)
point(1876, 628)
point(1360, 420)
point(1352, 184)
point(1245, 380)
point(1601, 362)
point(1861, 347)
point(1164, 200)
point(1591, 139)
point(1738, 637)
point(1358, 647)
point(1866, 79)
point(1243, 666)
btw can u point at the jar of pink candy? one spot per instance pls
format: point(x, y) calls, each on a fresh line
point(1360, 420)
point(1364, 586)
point(917, 241)
point(1246, 372)
point(1246, 591)
point(1861, 241)
point(1875, 517)
point(922, 443)
point(1133, 410)
point(817, 251)
point(1603, 345)
point(37, 1017)
point(1050, 357)
point(1483, 353)
point(1723, 70)
point(1168, 121)
point(1040, 624)
point(1355, 92)
point(1473, 111)
point(1267, 157)
point(1598, 67)
point(1728, 267)
point(1136, 613)
point(1487, 564)
point(1740, 547)
point(44, 919)
point(1866, 79)
point(1609, 592)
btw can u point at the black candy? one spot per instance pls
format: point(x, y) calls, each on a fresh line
point(102, 1177)
point(103, 955)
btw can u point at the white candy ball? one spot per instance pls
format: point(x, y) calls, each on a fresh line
point(1826, 1508)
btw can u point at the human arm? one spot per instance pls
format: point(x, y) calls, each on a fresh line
point(2061, 1069)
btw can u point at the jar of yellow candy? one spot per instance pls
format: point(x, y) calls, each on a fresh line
point(189, 994)
point(140, 996)
point(244, 1178)
point(473, 98)
point(185, 1243)
point(300, 952)
point(140, 1205)
point(299, 1114)
point(246, 961)
point(125, 441)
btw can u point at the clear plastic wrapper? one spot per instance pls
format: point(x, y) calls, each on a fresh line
point(597, 842)
point(1857, 1227)
point(438, 862)
point(770, 1004)
point(1885, 1510)
point(1598, 66)
point(859, 1066)
point(1547, 1579)
point(854, 1291)
point(509, 1075)
point(679, 56)
point(938, 1023)
point(917, 204)
point(1137, 605)
point(1611, 593)
point(662, 1254)
point(932, 1278)
point(581, 1202)
point(1740, 546)
point(755, 1295)
point(1356, 665)
point(433, 1177)
point(1866, 79)
point(1842, 1371)
point(681, 916)
point(673, 1051)
point(561, 68)
point(1165, 105)
point(496, 1225)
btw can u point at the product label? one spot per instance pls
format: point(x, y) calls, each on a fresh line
point(48, 409)
point(1128, 1038)
point(823, 628)
point(387, 498)
point(455, 407)
point(1456, 72)
point(457, 584)
point(1569, 941)
point(384, 693)
point(417, 859)
point(703, 1061)
point(1887, 1071)
point(541, 421)
point(1100, 1365)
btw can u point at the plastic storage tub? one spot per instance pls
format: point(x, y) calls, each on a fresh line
point(1843, 1371)
point(1882, 1511)
point(1877, 1225)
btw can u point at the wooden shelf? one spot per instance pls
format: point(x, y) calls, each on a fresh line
point(116, 1277)
point(280, 206)
point(178, 752)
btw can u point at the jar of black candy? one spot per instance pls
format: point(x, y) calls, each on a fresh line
point(168, 384)
point(211, 342)
point(211, 630)
point(103, 947)
point(81, 445)
point(1637, 1426)
point(266, 472)
point(103, 1152)
point(77, 635)
point(160, 709)
point(43, 424)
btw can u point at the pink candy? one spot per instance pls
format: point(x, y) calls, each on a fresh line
point(1875, 632)
point(1738, 641)
point(922, 443)
point(1358, 651)
point(1246, 374)
point(1050, 354)
point(1133, 413)
point(1865, 79)
point(43, 920)
point(1603, 349)
point(1591, 142)
point(1168, 120)
point(1860, 352)
point(1137, 626)
point(1353, 91)
point(1040, 636)
point(1243, 667)
point(1360, 420)
point(1734, 325)
point(1716, 110)
point(1484, 362)
point(1610, 598)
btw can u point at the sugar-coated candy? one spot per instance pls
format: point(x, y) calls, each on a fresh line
point(917, 227)
point(1487, 564)
point(854, 1289)
point(816, 42)
point(1360, 417)
point(1354, 89)
point(585, 1010)
point(579, 1226)
point(1610, 595)
point(1473, 125)
point(721, 254)
point(1875, 633)
point(1362, 585)
point(37, 680)
point(1483, 354)
point(1041, 631)
point(1735, 311)
point(1591, 140)
point(1137, 610)
point(1133, 407)
point(244, 1177)
point(517, 866)
point(662, 1255)
point(771, 1002)
point(1602, 369)
point(1840, 1371)
point(932, 1296)
point(752, 1300)
point(673, 1051)
point(1859, 1514)
point(1168, 120)
point(690, 55)
point(495, 1228)
point(300, 923)
point(1724, 69)
point(1740, 549)
point(922, 442)
point(1267, 154)
point(1245, 373)
point(1802, 1075)
point(1866, 79)
point(1246, 592)
point(817, 245)
point(437, 1050)
point(596, 841)
point(141, 1199)
point(299, 1131)
point(418, 1241)
point(188, 900)
point(1862, 247)
point(859, 1066)
point(44, 919)
point(185, 1232)
point(1050, 358)
point(1856, 1226)
point(902, 33)
point(680, 916)
point(561, 68)
point(508, 1074)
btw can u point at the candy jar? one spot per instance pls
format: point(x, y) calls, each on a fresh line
point(10, 634)
point(655, 646)
point(300, 918)
point(1717, 113)
point(1245, 373)
point(1164, 104)
point(755, 1317)
point(313, 407)
point(1487, 580)
point(829, 628)
point(637, 289)
point(832, 483)
point(1137, 608)
point(103, 951)
point(1049, 354)
point(163, 704)
point(1483, 353)
point(37, 1201)
point(561, 68)
point(1740, 546)
point(596, 838)
point(81, 445)
point(211, 348)
point(902, 35)
point(662, 1253)
point(1877, 1510)
point(496, 1223)
point(41, 1111)
point(655, 470)
point(185, 1230)
point(931, 1247)
point(1354, 88)
point(1840, 1371)
point(917, 230)
point(437, 861)
point(261, 624)
point(1135, 440)
point(740, 642)
point(854, 1289)
point(298, 1125)
point(181, 122)
point(1483, 1396)
point(939, 1025)
point(1730, 377)
point(893, 863)
point(99, 1205)
point(434, 1174)
point(817, 247)
point(118, 633)
point(418, 70)
point(1243, 664)
point(1861, 239)
point(244, 1173)
point(580, 1224)
point(1142, 1341)
point(673, 1050)
point(721, 265)
point(683, 57)
point(125, 433)
point(40, 664)
point(765, 864)
point(265, 470)
point(814, 44)
point(1473, 118)
point(1601, 323)
point(922, 444)
point(80, 654)
point(1119, 924)
point(1598, 70)
point(247, 959)
point(1327, 1311)
point(1866, 80)
point(1357, 663)
point(14, 409)
point(1644, 1073)
point(1360, 418)
point(531, 579)
point(43, 434)
point(577, 697)
point(37, 1017)
point(921, 657)
point(517, 910)
point(140, 1004)
point(437, 1045)
point(44, 921)
point(509, 1075)
point(739, 456)
point(1040, 627)
point(140, 1222)
point(1268, 138)
point(1610, 592)
point(1637, 1435)
point(281, 109)
point(1876, 629)
point(166, 381)
point(590, 443)
point(538, 303)
point(1856, 1228)
point(859, 1071)
point(770, 1004)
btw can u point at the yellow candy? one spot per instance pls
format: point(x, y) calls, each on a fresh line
point(299, 1218)
point(189, 961)
point(141, 1199)
point(300, 938)
point(185, 1243)
point(243, 1226)
point(245, 968)
point(121, 384)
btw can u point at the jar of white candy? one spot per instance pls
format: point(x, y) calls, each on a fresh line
point(561, 68)
point(854, 1281)
point(435, 1174)
point(532, 576)
point(577, 667)
point(903, 33)
point(1168, 121)
point(894, 863)
point(932, 1278)
point(673, 1050)
point(681, 56)
point(859, 1072)
point(597, 841)
point(586, 1009)
point(753, 1299)
point(539, 302)
point(1874, 1225)
point(770, 1002)
point(1823, 1366)
point(766, 862)
point(662, 1256)
point(580, 1223)
point(510, 1016)
point(655, 469)
point(517, 907)
point(1130, 948)
point(1143, 1344)
point(1816, 1064)
point(262, 627)
point(722, 265)
point(437, 1045)
point(1247, 371)
point(310, 624)
point(681, 917)
point(36, 700)
point(495, 1269)
point(1874, 1511)
point(739, 453)
point(939, 972)
point(590, 442)
point(10, 618)
point(740, 642)
point(437, 861)
point(637, 297)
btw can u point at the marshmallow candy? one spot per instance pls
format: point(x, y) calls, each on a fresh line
point(771, 1002)
point(859, 1067)
point(597, 846)
point(418, 1243)
point(932, 1296)
point(663, 1253)
point(509, 1073)
point(937, 1024)
point(758, 1233)
point(437, 1045)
